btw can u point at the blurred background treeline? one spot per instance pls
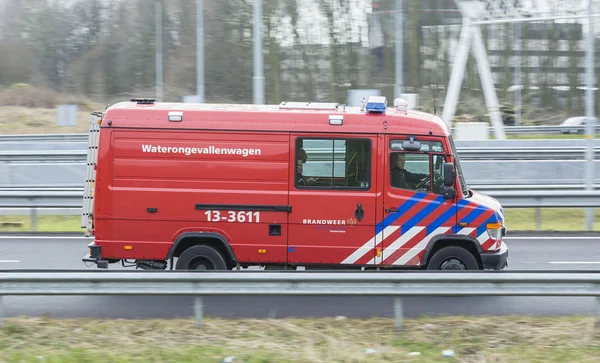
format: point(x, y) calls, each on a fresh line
point(102, 51)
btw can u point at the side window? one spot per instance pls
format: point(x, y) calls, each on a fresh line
point(333, 163)
point(438, 173)
point(427, 146)
point(409, 171)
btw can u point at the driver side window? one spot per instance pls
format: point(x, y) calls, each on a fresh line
point(409, 171)
point(438, 173)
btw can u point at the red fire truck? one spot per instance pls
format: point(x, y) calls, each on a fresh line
point(300, 184)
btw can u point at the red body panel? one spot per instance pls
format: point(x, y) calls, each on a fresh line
point(130, 181)
point(323, 225)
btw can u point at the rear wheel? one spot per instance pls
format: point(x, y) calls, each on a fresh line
point(452, 258)
point(201, 258)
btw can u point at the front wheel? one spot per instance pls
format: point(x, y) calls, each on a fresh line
point(453, 258)
point(201, 258)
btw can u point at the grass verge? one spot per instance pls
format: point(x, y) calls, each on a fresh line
point(552, 219)
point(45, 223)
point(496, 339)
point(23, 120)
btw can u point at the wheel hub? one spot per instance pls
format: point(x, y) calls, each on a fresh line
point(200, 264)
point(453, 264)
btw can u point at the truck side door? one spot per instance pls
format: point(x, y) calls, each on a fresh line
point(333, 199)
point(415, 209)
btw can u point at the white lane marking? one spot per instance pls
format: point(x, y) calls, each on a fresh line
point(9, 261)
point(551, 237)
point(575, 262)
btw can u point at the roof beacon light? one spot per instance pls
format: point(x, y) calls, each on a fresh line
point(401, 104)
point(376, 104)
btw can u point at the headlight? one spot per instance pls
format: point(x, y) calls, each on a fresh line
point(494, 230)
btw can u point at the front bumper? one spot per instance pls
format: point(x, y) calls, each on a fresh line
point(495, 260)
point(95, 256)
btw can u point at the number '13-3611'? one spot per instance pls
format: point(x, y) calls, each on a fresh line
point(231, 216)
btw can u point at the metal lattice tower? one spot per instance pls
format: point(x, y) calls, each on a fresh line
point(479, 12)
point(502, 11)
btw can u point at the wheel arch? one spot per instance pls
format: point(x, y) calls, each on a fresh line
point(212, 239)
point(438, 242)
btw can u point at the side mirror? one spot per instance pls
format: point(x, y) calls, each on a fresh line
point(449, 193)
point(411, 144)
point(449, 178)
point(449, 174)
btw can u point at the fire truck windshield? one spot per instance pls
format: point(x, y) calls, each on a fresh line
point(461, 177)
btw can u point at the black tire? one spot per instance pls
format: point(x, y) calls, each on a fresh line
point(201, 258)
point(452, 258)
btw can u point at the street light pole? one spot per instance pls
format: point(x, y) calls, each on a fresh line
point(399, 45)
point(259, 79)
point(200, 50)
point(159, 57)
point(589, 112)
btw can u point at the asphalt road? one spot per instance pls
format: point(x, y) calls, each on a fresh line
point(567, 252)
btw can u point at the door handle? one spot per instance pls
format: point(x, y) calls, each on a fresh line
point(391, 210)
point(359, 213)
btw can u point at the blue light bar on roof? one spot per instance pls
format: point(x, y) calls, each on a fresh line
point(376, 104)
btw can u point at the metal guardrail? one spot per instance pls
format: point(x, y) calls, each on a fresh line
point(41, 199)
point(509, 130)
point(43, 156)
point(547, 198)
point(541, 130)
point(294, 283)
point(482, 188)
point(491, 188)
point(508, 198)
point(71, 198)
point(465, 153)
point(525, 153)
point(44, 137)
point(555, 144)
point(476, 172)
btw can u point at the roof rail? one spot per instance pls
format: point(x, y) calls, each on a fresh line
point(309, 105)
point(142, 100)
